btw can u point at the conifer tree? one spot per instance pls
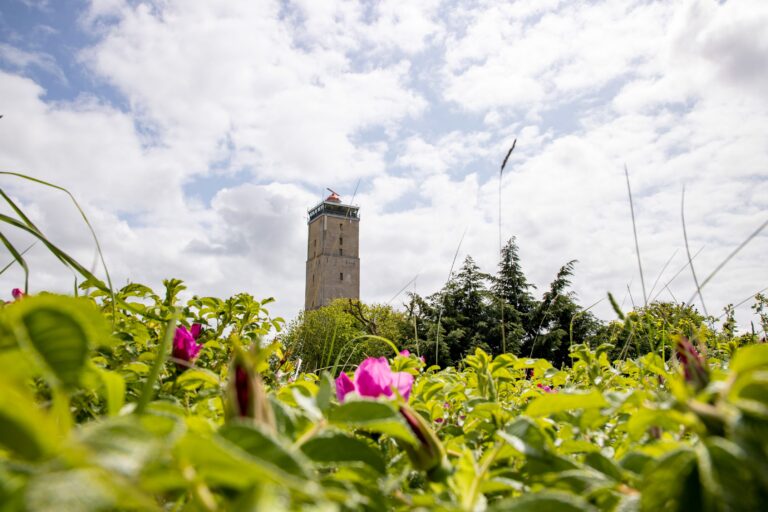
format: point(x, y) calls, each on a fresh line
point(511, 291)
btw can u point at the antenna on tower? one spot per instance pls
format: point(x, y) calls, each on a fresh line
point(355, 192)
point(331, 191)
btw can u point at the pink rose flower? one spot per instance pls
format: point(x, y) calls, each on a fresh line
point(695, 369)
point(374, 378)
point(546, 389)
point(17, 293)
point(184, 345)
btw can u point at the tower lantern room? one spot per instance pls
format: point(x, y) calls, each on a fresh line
point(333, 257)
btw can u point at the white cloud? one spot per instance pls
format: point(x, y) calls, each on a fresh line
point(203, 74)
point(23, 60)
point(452, 150)
point(527, 54)
point(315, 94)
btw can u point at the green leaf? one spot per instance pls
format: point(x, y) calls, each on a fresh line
point(551, 501)
point(137, 367)
point(372, 416)
point(121, 445)
point(220, 462)
point(198, 377)
point(553, 403)
point(262, 446)
point(672, 483)
point(325, 391)
point(25, 430)
point(736, 486)
point(578, 481)
point(335, 448)
point(59, 331)
point(750, 357)
point(604, 465)
point(525, 437)
point(114, 390)
point(667, 419)
point(636, 462)
point(75, 490)
point(530, 441)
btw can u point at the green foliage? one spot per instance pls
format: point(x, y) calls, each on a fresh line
point(343, 333)
point(653, 328)
point(509, 433)
point(467, 314)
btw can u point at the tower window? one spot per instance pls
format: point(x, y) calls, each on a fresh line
point(341, 276)
point(341, 225)
point(341, 251)
point(341, 240)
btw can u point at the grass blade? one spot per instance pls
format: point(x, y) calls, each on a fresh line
point(634, 230)
point(745, 300)
point(663, 269)
point(730, 256)
point(82, 214)
point(501, 299)
point(56, 251)
point(680, 270)
point(440, 314)
point(690, 260)
point(17, 257)
point(10, 263)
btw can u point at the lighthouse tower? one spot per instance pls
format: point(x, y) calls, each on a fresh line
point(333, 257)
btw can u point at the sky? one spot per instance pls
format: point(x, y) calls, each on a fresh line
point(197, 134)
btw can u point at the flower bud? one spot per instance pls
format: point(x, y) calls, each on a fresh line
point(428, 454)
point(695, 369)
point(246, 396)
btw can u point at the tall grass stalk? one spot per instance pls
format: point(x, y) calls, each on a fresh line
point(501, 299)
point(688, 252)
point(634, 231)
point(631, 298)
point(57, 252)
point(442, 298)
point(730, 256)
point(14, 260)
point(744, 301)
point(577, 315)
point(680, 271)
point(663, 269)
point(402, 289)
point(17, 256)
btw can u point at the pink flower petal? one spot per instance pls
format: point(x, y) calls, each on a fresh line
point(405, 353)
point(17, 293)
point(373, 378)
point(403, 382)
point(184, 346)
point(344, 386)
point(196, 330)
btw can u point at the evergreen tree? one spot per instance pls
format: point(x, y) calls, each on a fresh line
point(546, 331)
point(511, 291)
point(462, 313)
point(465, 314)
point(510, 282)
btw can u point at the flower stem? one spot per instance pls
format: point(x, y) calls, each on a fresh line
point(148, 391)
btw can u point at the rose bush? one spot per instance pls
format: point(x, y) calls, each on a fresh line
point(95, 416)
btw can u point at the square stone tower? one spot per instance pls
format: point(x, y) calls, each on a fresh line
point(333, 253)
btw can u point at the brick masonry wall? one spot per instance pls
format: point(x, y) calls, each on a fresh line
point(333, 260)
